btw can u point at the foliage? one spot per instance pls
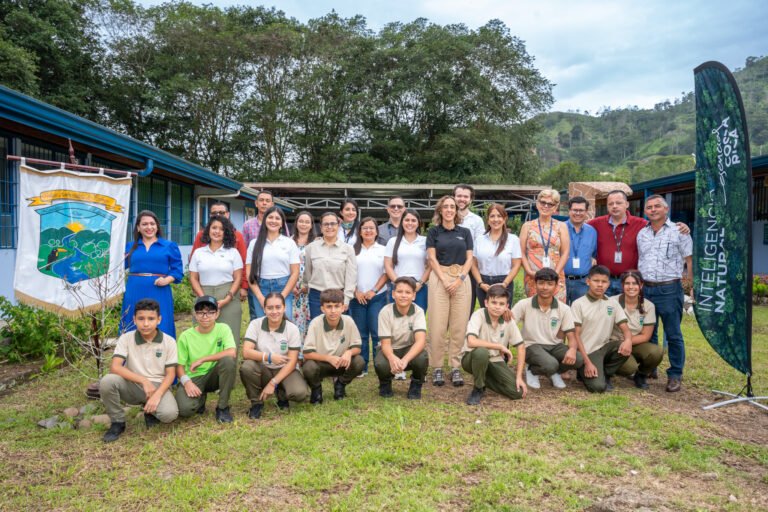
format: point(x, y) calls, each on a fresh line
point(183, 296)
point(759, 288)
point(36, 333)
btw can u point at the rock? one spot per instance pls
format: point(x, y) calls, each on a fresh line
point(609, 441)
point(71, 412)
point(732, 498)
point(710, 476)
point(49, 422)
point(87, 409)
point(101, 419)
point(633, 472)
point(83, 424)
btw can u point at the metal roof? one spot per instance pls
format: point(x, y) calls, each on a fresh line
point(759, 163)
point(36, 114)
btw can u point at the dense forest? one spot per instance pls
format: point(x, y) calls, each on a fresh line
point(254, 94)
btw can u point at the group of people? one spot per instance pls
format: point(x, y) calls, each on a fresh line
point(326, 305)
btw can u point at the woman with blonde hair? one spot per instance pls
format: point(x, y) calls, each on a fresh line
point(545, 243)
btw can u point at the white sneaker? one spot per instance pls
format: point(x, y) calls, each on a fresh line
point(532, 380)
point(400, 376)
point(557, 381)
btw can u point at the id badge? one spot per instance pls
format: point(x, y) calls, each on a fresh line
point(576, 263)
point(545, 263)
point(617, 257)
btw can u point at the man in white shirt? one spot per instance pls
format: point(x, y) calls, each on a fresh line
point(464, 195)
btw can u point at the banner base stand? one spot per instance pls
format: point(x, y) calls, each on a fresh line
point(735, 399)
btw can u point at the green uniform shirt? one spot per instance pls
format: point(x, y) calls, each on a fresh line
point(286, 337)
point(636, 321)
point(399, 329)
point(325, 340)
point(597, 318)
point(193, 345)
point(147, 359)
point(505, 334)
point(540, 327)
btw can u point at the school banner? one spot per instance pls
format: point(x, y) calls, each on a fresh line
point(722, 251)
point(72, 229)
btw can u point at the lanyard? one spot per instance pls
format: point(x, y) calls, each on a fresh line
point(577, 239)
point(619, 239)
point(549, 238)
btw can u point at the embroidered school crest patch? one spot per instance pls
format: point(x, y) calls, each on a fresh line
point(610, 310)
point(158, 353)
point(553, 322)
point(642, 320)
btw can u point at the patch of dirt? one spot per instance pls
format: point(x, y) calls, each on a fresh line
point(11, 375)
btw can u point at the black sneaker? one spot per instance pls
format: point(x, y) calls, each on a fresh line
point(456, 379)
point(475, 396)
point(201, 409)
point(608, 384)
point(641, 381)
point(316, 397)
point(283, 404)
point(654, 374)
point(414, 391)
point(437, 377)
point(223, 415)
point(114, 432)
point(339, 390)
point(150, 420)
point(385, 389)
point(255, 412)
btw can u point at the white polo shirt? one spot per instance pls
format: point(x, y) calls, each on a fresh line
point(215, 267)
point(488, 262)
point(278, 257)
point(411, 256)
point(370, 267)
point(474, 223)
point(286, 337)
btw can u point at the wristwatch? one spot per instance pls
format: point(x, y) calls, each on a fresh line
point(462, 276)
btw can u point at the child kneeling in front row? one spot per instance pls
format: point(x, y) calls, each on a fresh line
point(142, 372)
point(331, 348)
point(487, 345)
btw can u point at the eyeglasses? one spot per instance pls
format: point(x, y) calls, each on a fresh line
point(368, 228)
point(216, 214)
point(205, 313)
point(545, 204)
point(578, 212)
point(330, 224)
point(396, 206)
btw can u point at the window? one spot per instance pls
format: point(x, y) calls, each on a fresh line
point(182, 214)
point(683, 207)
point(152, 194)
point(760, 194)
point(8, 194)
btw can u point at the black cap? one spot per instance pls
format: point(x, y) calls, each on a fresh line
point(206, 300)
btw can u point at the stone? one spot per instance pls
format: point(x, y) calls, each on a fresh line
point(609, 441)
point(732, 498)
point(71, 412)
point(633, 472)
point(101, 419)
point(710, 476)
point(83, 424)
point(49, 422)
point(87, 409)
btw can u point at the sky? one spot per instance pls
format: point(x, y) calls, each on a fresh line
point(598, 53)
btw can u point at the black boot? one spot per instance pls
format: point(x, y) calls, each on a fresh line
point(385, 389)
point(339, 390)
point(641, 381)
point(114, 432)
point(317, 395)
point(150, 420)
point(223, 415)
point(475, 396)
point(414, 391)
point(255, 412)
point(283, 404)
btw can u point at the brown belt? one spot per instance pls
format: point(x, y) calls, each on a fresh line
point(452, 270)
point(145, 274)
point(651, 284)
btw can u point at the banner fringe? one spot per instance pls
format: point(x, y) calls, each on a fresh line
point(59, 310)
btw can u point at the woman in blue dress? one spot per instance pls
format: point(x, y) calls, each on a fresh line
point(153, 263)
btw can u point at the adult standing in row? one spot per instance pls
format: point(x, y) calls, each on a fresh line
point(545, 244)
point(273, 262)
point(583, 248)
point(264, 201)
point(389, 229)
point(449, 248)
point(152, 263)
point(220, 209)
point(497, 254)
point(464, 195)
point(216, 269)
point(329, 264)
point(664, 254)
point(349, 221)
point(303, 235)
point(371, 289)
point(406, 256)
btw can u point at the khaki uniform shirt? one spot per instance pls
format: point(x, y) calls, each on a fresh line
point(541, 327)
point(323, 339)
point(330, 266)
point(634, 318)
point(280, 341)
point(597, 318)
point(147, 359)
point(400, 329)
point(505, 333)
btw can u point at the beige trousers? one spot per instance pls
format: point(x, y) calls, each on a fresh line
point(447, 314)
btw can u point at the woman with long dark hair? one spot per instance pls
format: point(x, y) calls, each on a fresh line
point(349, 226)
point(329, 264)
point(371, 289)
point(497, 255)
point(406, 256)
point(641, 315)
point(303, 235)
point(272, 262)
point(216, 269)
point(152, 263)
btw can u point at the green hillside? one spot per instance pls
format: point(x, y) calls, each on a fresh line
point(633, 144)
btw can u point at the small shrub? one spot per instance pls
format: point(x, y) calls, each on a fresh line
point(183, 296)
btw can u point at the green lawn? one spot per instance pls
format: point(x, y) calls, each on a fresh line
point(547, 452)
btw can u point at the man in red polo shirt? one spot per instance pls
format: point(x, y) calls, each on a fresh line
point(617, 238)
